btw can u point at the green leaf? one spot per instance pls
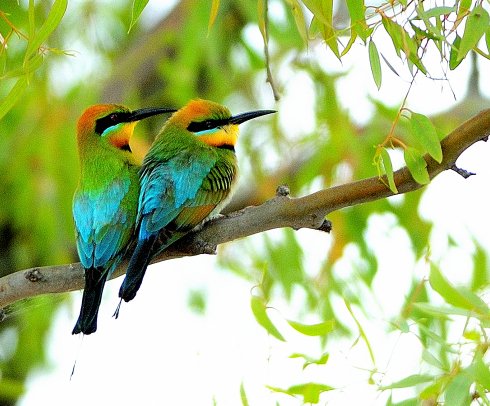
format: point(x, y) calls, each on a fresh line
point(13, 96)
point(395, 32)
point(403, 42)
point(432, 360)
point(442, 312)
point(453, 53)
point(311, 361)
point(11, 389)
point(243, 395)
point(476, 25)
point(459, 297)
point(310, 391)
point(299, 19)
point(458, 390)
point(52, 21)
point(482, 371)
point(388, 169)
point(323, 17)
point(357, 11)
point(213, 14)
point(261, 19)
point(409, 381)
point(352, 39)
point(362, 333)
point(138, 7)
point(416, 165)
point(259, 311)
point(319, 329)
point(487, 39)
point(375, 63)
point(481, 269)
point(439, 11)
point(286, 261)
point(425, 133)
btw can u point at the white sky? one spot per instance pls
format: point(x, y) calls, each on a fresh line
point(159, 352)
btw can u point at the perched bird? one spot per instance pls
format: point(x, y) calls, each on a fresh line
point(105, 203)
point(187, 177)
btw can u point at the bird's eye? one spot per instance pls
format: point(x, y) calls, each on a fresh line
point(113, 117)
point(199, 126)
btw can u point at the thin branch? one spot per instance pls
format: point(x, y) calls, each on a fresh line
point(280, 211)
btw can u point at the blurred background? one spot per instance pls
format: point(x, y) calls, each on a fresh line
point(374, 288)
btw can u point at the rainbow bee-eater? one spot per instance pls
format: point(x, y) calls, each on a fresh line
point(187, 176)
point(105, 203)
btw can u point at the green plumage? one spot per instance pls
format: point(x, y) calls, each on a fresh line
point(187, 176)
point(106, 201)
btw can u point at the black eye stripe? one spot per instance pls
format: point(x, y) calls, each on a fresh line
point(198, 126)
point(110, 120)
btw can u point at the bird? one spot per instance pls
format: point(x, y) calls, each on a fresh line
point(187, 177)
point(105, 203)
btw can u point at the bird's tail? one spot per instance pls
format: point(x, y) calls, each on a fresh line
point(95, 279)
point(137, 267)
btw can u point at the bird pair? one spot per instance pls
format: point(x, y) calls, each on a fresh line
point(122, 209)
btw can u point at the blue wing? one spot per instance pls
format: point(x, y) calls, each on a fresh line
point(102, 223)
point(168, 187)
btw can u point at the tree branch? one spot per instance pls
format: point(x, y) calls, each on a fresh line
point(280, 211)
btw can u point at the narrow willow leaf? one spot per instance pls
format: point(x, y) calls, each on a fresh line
point(352, 39)
point(32, 19)
point(310, 391)
point(395, 33)
point(138, 7)
point(463, 10)
point(482, 372)
point(299, 19)
point(52, 21)
point(476, 25)
point(30, 66)
point(362, 333)
point(416, 165)
point(389, 65)
point(243, 395)
point(319, 329)
point(433, 391)
point(261, 17)
point(432, 360)
point(431, 31)
point(388, 170)
point(487, 39)
point(453, 53)
point(439, 11)
point(459, 297)
point(213, 14)
point(480, 268)
point(357, 11)
point(375, 63)
point(409, 381)
point(403, 42)
point(13, 96)
point(425, 133)
point(323, 16)
point(260, 313)
point(441, 312)
point(457, 392)
point(311, 361)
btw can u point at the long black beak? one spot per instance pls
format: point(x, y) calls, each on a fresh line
point(241, 118)
point(140, 114)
